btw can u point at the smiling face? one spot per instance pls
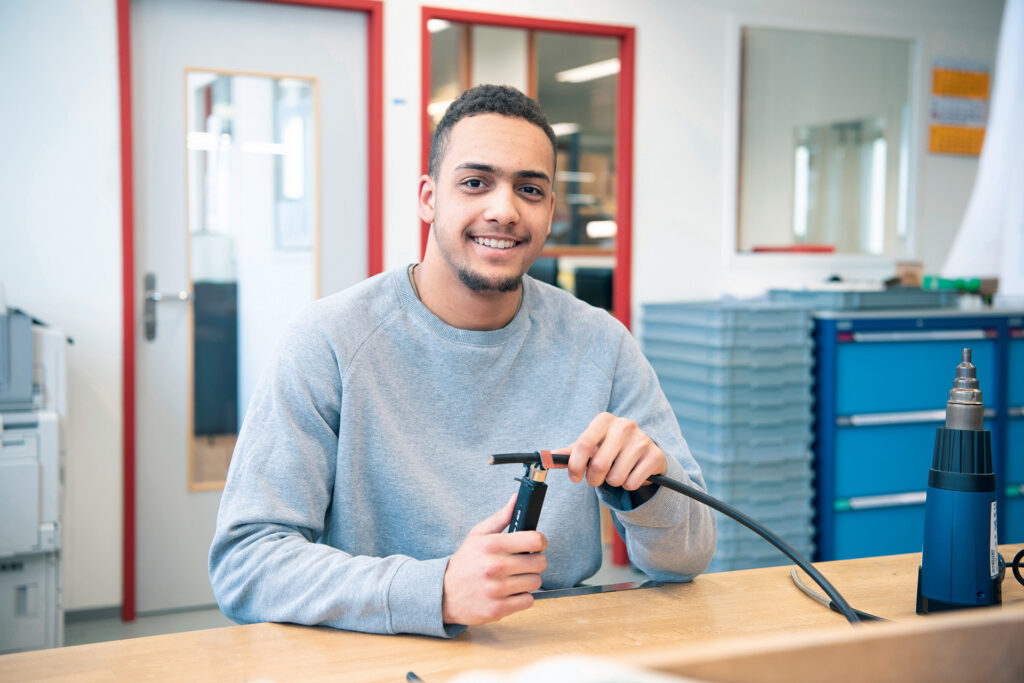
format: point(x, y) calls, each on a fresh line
point(490, 205)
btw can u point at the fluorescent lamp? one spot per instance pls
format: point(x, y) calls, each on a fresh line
point(589, 72)
point(575, 176)
point(904, 172)
point(293, 179)
point(800, 177)
point(563, 129)
point(601, 229)
point(437, 25)
point(876, 226)
point(580, 199)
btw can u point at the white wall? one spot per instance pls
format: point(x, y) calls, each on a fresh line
point(60, 250)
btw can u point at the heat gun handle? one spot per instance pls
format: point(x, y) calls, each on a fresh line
point(526, 513)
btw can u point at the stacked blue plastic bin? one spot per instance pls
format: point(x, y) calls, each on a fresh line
point(738, 375)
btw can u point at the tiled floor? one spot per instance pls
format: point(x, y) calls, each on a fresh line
point(112, 628)
point(98, 630)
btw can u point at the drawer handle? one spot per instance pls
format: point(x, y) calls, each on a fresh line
point(935, 335)
point(905, 417)
point(884, 501)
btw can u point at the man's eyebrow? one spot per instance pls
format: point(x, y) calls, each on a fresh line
point(539, 175)
point(487, 168)
point(473, 166)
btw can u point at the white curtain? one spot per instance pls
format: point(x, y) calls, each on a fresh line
point(990, 242)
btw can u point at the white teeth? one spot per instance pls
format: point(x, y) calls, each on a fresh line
point(494, 244)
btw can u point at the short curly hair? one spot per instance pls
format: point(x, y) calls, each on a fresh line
point(486, 99)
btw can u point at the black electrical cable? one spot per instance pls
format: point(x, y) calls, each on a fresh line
point(818, 597)
point(787, 550)
point(728, 510)
point(1018, 561)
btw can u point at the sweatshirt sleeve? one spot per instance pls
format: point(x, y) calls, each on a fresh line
point(669, 537)
point(265, 562)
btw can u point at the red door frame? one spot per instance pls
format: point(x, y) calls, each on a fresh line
point(622, 287)
point(374, 10)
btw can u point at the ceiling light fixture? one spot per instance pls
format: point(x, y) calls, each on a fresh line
point(437, 108)
point(601, 229)
point(589, 72)
point(565, 128)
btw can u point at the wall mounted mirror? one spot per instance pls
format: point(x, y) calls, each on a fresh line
point(824, 142)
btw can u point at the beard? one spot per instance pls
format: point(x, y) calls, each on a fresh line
point(478, 283)
point(475, 281)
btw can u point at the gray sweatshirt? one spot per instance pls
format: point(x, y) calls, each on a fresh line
point(362, 461)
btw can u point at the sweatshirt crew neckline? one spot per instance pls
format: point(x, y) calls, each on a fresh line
point(515, 328)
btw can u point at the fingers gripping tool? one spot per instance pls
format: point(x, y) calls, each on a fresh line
point(530, 499)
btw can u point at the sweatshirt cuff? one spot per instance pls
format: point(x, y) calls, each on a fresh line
point(414, 599)
point(661, 510)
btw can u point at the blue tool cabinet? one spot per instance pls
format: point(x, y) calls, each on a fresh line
point(882, 379)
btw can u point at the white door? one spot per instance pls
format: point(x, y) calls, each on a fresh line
point(250, 200)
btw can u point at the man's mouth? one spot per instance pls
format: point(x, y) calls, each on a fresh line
point(495, 243)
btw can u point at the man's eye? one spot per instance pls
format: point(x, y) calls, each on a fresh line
point(532, 190)
point(473, 183)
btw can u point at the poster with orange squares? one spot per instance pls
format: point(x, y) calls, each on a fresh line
point(959, 108)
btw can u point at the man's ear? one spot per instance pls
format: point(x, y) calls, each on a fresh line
point(426, 199)
point(551, 212)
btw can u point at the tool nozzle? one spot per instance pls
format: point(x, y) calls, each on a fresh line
point(536, 472)
point(965, 409)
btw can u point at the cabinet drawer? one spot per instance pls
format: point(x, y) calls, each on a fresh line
point(883, 377)
point(1015, 373)
point(883, 459)
point(1013, 524)
point(18, 448)
point(1014, 452)
point(878, 531)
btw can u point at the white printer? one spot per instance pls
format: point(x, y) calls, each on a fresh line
point(33, 408)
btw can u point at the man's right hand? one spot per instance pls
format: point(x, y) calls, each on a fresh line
point(492, 573)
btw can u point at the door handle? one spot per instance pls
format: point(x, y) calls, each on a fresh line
point(150, 298)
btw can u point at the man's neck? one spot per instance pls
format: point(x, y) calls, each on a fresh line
point(447, 297)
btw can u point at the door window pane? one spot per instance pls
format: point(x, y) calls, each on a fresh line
point(252, 242)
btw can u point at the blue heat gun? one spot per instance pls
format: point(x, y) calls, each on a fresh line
point(960, 562)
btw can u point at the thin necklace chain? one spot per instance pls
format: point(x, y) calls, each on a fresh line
point(416, 291)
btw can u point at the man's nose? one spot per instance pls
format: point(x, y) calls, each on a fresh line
point(502, 207)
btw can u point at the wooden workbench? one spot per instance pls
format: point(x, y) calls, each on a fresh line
point(697, 617)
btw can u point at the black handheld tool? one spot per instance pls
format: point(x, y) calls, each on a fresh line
point(530, 499)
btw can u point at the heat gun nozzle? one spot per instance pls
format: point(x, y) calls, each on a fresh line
point(965, 409)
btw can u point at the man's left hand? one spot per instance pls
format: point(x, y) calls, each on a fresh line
point(614, 450)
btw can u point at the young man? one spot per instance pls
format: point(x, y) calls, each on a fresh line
point(359, 482)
